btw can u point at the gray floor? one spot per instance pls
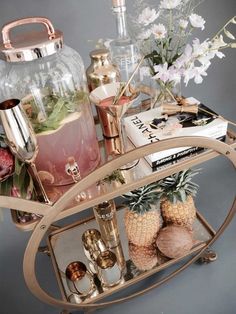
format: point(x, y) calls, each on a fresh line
point(207, 289)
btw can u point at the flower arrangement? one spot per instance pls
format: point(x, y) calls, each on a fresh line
point(15, 180)
point(163, 33)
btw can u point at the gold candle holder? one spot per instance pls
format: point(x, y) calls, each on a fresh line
point(93, 244)
point(79, 279)
point(105, 214)
point(109, 272)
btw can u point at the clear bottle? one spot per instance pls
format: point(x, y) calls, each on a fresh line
point(124, 51)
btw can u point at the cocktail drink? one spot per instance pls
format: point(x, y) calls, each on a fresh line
point(68, 147)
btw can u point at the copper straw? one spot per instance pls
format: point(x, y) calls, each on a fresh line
point(116, 99)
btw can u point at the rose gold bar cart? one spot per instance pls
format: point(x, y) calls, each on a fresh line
point(62, 209)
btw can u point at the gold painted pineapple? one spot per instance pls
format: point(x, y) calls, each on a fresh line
point(177, 204)
point(142, 220)
point(143, 257)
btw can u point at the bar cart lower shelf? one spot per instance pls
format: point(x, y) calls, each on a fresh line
point(65, 250)
point(65, 246)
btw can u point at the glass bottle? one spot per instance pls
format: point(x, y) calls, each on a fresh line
point(124, 52)
point(105, 214)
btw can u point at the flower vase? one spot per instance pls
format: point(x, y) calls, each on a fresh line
point(164, 93)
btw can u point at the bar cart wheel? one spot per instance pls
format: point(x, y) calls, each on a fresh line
point(207, 257)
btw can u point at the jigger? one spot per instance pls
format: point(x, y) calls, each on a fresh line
point(21, 140)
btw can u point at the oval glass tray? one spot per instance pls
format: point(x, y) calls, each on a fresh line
point(65, 246)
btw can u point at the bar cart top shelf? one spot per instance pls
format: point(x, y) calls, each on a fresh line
point(140, 172)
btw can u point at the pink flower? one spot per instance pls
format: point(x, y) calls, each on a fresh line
point(7, 163)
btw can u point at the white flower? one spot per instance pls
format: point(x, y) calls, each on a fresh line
point(218, 43)
point(195, 73)
point(183, 23)
point(144, 71)
point(174, 75)
point(162, 72)
point(197, 21)
point(145, 34)
point(205, 60)
point(159, 31)
point(199, 72)
point(170, 4)
point(219, 54)
point(184, 59)
point(200, 48)
point(147, 16)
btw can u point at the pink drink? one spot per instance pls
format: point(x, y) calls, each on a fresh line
point(108, 102)
point(74, 139)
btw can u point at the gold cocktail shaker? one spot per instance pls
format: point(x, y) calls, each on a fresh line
point(101, 72)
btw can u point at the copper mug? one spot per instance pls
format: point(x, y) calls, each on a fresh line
point(79, 279)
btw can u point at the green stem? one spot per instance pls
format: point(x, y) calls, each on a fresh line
point(221, 30)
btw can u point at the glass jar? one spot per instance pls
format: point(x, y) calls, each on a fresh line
point(50, 80)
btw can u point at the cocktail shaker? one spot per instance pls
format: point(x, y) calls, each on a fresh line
point(101, 72)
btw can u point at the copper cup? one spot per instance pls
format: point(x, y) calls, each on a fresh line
point(79, 279)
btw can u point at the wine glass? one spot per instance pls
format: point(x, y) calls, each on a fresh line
point(21, 140)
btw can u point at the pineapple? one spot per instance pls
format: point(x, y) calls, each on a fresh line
point(143, 257)
point(142, 220)
point(177, 204)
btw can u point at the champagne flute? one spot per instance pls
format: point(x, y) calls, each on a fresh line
point(21, 140)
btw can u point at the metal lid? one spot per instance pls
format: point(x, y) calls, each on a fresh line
point(30, 45)
point(99, 53)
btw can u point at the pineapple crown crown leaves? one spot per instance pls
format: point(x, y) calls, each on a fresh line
point(179, 186)
point(140, 200)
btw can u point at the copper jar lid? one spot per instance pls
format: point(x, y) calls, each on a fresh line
point(30, 45)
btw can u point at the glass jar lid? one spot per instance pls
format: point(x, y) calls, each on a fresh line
point(30, 45)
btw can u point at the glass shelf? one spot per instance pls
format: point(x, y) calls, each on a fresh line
point(65, 246)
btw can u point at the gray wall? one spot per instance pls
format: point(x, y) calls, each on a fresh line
point(211, 289)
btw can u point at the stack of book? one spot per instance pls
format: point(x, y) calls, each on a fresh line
point(152, 126)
